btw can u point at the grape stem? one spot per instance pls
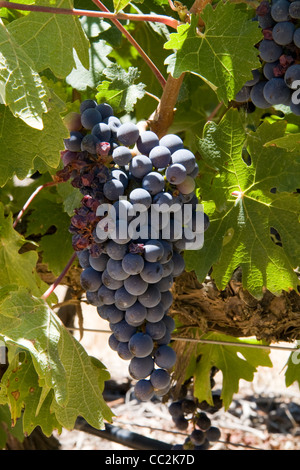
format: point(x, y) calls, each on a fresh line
point(30, 199)
point(133, 42)
point(60, 277)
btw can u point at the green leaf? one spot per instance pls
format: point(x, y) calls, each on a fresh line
point(49, 39)
point(71, 197)
point(289, 142)
point(82, 77)
point(21, 87)
point(17, 268)
point(120, 4)
point(235, 363)
point(292, 373)
point(120, 91)
point(71, 381)
point(56, 247)
point(224, 54)
point(26, 144)
point(240, 227)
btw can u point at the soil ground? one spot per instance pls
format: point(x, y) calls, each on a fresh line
point(264, 414)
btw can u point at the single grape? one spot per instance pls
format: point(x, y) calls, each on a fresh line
point(151, 297)
point(141, 344)
point(105, 110)
point(152, 272)
point(155, 314)
point(99, 263)
point(186, 158)
point(141, 367)
point(84, 258)
point(143, 390)
point(255, 79)
point(136, 285)
point(128, 134)
point(93, 299)
point(90, 117)
point(106, 295)
point(257, 95)
point(296, 38)
point(121, 155)
point(165, 283)
point(269, 51)
point(181, 423)
point(123, 299)
point(113, 342)
point(172, 142)
point(90, 279)
point(133, 263)
point(73, 143)
point(123, 351)
point(197, 437)
point(153, 250)
point(176, 173)
point(178, 263)
point(89, 144)
point(115, 270)
point(276, 91)
point(280, 10)
point(213, 434)
point(175, 409)
point(140, 196)
point(283, 32)
point(113, 123)
point(113, 189)
point(136, 314)
point(203, 421)
point(294, 10)
point(87, 104)
point(115, 250)
point(153, 182)
point(269, 68)
point(156, 330)
point(110, 282)
point(113, 314)
point(167, 268)
point(140, 165)
point(168, 251)
point(292, 74)
point(160, 379)
point(188, 405)
point(187, 186)
point(165, 357)
point(160, 156)
point(243, 95)
point(122, 331)
point(146, 141)
point(169, 322)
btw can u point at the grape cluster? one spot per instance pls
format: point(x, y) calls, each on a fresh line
point(279, 51)
point(188, 414)
point(129, 278)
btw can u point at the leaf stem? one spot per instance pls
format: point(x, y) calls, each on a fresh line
point(60, 277)
point(167, 20)
point(30, 199)
point(133, 42)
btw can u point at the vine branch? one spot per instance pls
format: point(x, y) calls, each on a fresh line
point(133, 42)
point(167, 20)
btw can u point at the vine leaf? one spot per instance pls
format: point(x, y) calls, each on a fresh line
point(56, 248)
point(224, 54)
point(21, 87)
point(70, 383)
point(234, 362)
point(49, 39)
point(26, 144)
point(120, 90)
point(292, 373)
point(17, 268)
point(265, 201)
point(82, 77)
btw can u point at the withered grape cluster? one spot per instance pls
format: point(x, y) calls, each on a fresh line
point(130, 258)
point(277, 81)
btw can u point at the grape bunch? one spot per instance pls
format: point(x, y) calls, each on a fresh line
point(275, 82)
point(128, 274)
point(188, 414)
